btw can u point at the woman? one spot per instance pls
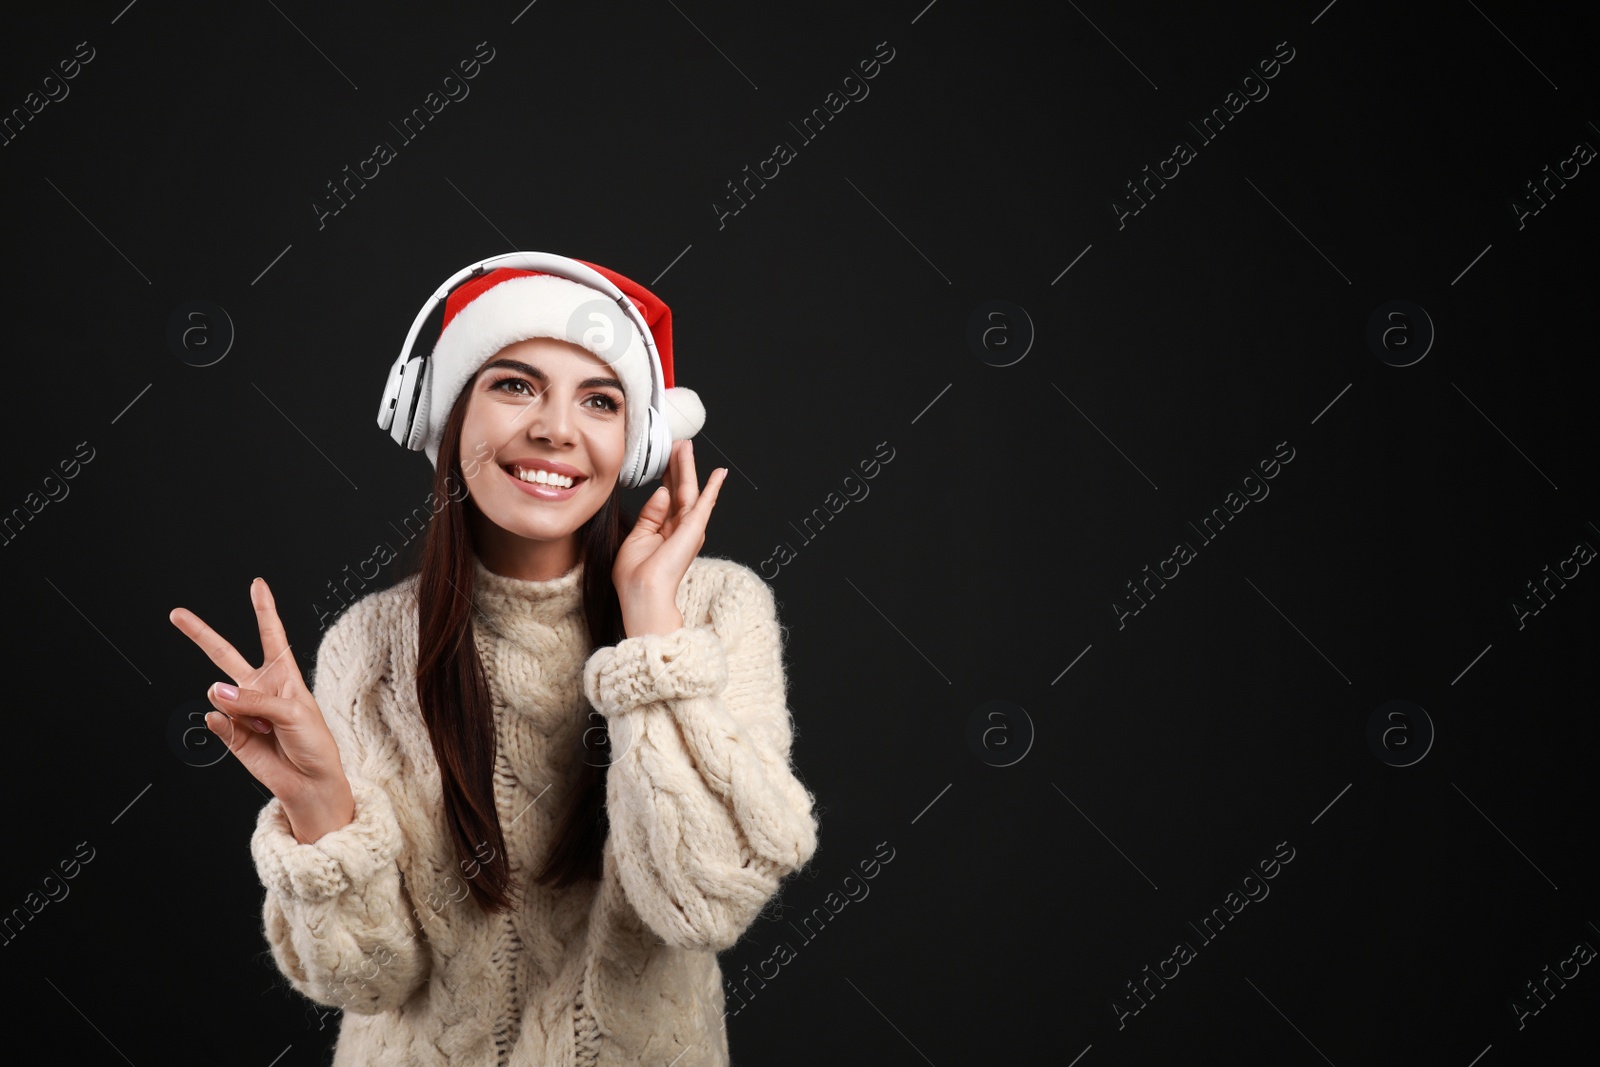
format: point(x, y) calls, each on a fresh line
point(527, 847)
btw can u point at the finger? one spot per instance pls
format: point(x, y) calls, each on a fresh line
point(220, 652)
point(274, 642)
point(714, 486)
point(708, 499)
point(688, 534)
point(688, 484)
point(669, 477)
point(232, 732)
point(672, 464)
point(253, 704)
point(672, 482)
point(654, 512)
point(292, 668)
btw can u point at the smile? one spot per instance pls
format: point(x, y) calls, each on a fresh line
point(543, 485)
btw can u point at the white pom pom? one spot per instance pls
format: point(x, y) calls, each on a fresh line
point(685, 414)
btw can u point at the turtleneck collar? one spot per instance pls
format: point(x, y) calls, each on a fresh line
point(516, 607)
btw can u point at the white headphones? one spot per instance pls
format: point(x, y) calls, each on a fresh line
point(407, 394)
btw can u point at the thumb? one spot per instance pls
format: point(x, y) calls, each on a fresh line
point(231, 731)
point(655, 509)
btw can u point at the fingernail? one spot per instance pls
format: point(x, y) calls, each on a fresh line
point(226, 691)
point(262, 726)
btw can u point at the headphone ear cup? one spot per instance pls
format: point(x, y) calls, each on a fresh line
point(422, 403)
point(634, 466)
point(659, 437)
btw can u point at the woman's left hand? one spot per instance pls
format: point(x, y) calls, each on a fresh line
point(669, 534)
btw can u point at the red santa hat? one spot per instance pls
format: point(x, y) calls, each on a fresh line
point(508, 305)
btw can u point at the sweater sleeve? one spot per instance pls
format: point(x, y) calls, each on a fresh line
point(337, 914)
point(706, 814)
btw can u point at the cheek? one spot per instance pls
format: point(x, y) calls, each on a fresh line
point(478, 457)
point(608, 446)
point(484, 484)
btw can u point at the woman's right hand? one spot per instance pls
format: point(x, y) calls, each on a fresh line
point(276, 729)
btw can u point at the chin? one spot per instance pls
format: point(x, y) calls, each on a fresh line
point(547, 520)
point(540, 531)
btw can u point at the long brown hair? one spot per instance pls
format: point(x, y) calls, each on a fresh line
point(453, 691)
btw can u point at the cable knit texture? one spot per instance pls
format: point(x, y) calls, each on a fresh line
point(707, 817)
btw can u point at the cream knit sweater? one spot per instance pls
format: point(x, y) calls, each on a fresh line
point(706, 818)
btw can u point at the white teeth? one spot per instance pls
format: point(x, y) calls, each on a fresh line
point(542, 477)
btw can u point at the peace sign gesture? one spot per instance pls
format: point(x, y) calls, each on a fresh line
point(668, 535)
point(275, 729)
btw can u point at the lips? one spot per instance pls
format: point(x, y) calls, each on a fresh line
point(538, 463)
point(543, 492)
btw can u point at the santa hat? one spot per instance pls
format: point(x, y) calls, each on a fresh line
point(508, 305)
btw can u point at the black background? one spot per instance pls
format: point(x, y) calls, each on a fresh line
point(831, 315)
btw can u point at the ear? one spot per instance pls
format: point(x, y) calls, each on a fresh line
point(684, 411)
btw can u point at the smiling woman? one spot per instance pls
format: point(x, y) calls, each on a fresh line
point(585, 733)
point(555, 427)
point(533, 469)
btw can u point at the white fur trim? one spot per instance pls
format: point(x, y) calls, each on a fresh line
point(684, 411)
point(537, 306)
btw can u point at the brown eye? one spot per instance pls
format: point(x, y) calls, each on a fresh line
point(500, 385)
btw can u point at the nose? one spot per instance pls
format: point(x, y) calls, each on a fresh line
point(550, 417)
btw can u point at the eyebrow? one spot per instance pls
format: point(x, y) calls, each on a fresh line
point(534, 372)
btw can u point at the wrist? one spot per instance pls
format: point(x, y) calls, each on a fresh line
point(655, 619)
point(319, 809)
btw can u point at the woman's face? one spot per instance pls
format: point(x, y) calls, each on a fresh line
point(541, 404)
